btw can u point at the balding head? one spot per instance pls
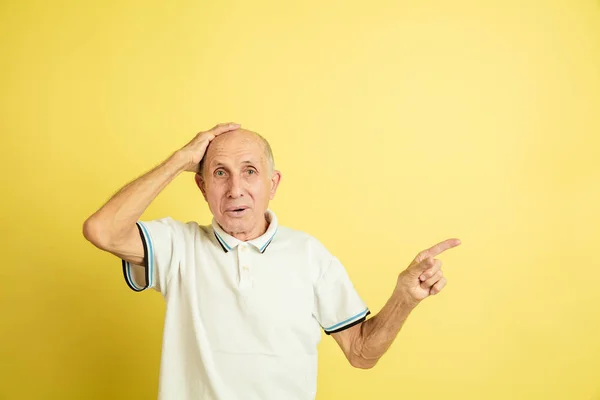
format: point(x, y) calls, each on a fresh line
point(242, 136)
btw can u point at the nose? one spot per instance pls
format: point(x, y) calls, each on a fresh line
point(235, 187)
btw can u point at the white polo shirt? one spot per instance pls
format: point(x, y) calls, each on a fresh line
point(243, 319)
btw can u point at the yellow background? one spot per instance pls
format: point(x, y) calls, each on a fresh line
point(396, 124)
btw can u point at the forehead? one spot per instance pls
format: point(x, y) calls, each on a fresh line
point(236, 147)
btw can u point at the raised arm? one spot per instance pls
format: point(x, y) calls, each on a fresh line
point(113, 228)
point(365, 344)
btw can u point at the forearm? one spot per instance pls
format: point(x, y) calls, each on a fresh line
point(115, 218)
point(378, 333)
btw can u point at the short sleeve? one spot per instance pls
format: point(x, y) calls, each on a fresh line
point(164, 248)
point(338, 306)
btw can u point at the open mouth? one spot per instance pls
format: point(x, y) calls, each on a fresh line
point(236, 210)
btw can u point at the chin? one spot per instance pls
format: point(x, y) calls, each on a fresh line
point(231, 225)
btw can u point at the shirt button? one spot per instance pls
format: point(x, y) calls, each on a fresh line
point(245, 268)
point(243, 247)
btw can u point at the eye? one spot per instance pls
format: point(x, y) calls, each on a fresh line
point(220, 172)
point(251, 171)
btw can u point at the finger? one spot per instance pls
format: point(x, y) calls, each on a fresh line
point(433, 280)
point(437, 249)
point(435, 289)
point(221, 125)
point(222, 128)
point(418, 269)
point(430, 271)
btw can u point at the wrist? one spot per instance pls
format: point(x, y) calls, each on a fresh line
point(404, 299)
point(179, 161)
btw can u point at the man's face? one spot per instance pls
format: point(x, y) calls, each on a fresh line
point(237, 182)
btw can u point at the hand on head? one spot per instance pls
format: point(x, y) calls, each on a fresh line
point(195, 149)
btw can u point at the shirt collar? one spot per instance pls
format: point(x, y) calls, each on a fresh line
point(261, 243)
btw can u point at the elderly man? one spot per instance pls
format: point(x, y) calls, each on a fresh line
point(246, 298)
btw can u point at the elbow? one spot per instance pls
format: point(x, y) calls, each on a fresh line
point(360, 354)
point(362, 362)
point(93, 232)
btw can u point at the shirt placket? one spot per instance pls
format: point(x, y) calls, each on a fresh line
point(244, 266)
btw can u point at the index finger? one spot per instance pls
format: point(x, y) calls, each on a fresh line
point(437, 249)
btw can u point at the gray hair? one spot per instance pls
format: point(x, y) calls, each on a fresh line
point(268, 153)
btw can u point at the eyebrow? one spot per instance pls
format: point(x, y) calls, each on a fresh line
point(247, 162)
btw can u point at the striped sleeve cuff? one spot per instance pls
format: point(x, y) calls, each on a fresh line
point(350, 322)
point(148, 263)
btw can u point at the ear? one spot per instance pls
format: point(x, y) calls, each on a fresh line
point(275, 179)
point(201, 184)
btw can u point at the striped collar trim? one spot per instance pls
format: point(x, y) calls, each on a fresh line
point(261, 243)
